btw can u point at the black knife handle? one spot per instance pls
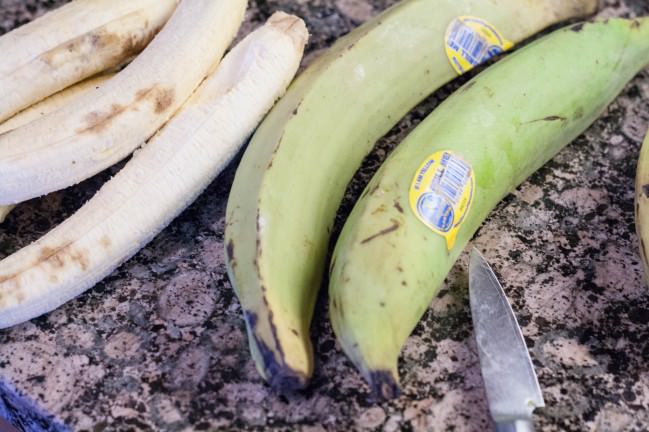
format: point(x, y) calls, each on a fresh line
point(519, 425)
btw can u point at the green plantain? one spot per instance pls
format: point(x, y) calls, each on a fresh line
point(293, 175)
point(427, 200)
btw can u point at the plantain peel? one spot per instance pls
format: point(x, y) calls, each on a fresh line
point(480, 143)
point(642, 205)
point(298, 163)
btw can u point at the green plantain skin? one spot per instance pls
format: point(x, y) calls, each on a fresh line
point(642, 205)
point(507, 122)
point(293, 175)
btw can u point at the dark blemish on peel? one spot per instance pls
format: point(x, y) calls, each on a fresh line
point(163, 100)
point(577, 27)
point(549, 119)
point(382, 304)
point(468, 85)
point(404, 283)
point(47, 254)
point(398, 207)
point(395, 226)
point(295, 332)
point(251, 318)
point(97, 121)
point(554, 118)
point(229, 250)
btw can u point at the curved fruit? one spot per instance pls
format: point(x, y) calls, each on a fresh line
point(164, 177)
point(102, 128)
point(71, 43)
point(297, 165)
point(642, 205)
point(45, 107)
point(501, 126)
point(54, 102)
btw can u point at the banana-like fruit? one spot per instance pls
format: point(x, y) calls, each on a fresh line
point(47, 106)
point(102, 128)
point(294, 173)
point(432, 193)
point(642, 205)
point(161, 179)
point(71, 43)
point(54, 102)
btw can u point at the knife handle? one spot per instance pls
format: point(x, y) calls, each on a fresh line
point(517, 425)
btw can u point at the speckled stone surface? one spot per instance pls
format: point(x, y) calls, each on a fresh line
point(161, 344)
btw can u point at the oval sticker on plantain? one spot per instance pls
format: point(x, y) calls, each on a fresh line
point(441, 193)
point(471, 41)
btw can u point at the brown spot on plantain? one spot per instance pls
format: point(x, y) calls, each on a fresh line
point(161, 98)
point(80, 258)
point(50, 254)
point(109, 46)
point(398, 207)
point(549, 119)
point(97, 121)
point(554, 118)
point(164, 98)
point(395, 226)
point(11, 276)
point(105, 242)
point(60, 257)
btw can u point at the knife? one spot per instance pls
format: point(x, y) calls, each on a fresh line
point(513, 390)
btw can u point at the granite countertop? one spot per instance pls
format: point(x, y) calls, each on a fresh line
point(161, 343)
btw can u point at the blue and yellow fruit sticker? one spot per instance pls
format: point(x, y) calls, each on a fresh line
point(441, 193)
point(471, 41)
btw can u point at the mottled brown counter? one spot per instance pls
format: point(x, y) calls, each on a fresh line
point(161, 344)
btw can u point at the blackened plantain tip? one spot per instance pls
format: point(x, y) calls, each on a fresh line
point(383, 385)
point(287, 381)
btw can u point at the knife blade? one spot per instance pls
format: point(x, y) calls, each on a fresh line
point(513, 390)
